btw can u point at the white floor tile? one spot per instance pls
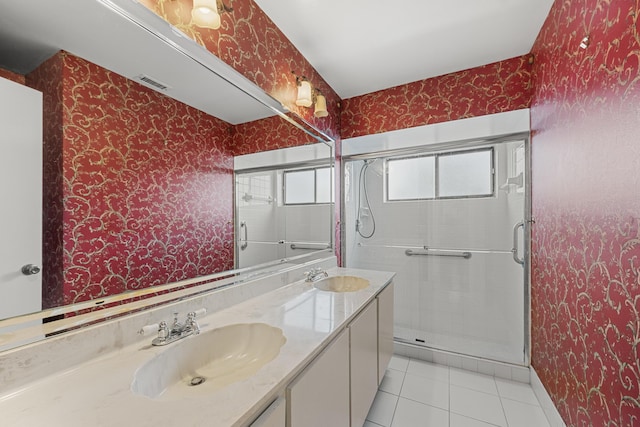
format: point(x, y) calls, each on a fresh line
point(399, 363)
point(392, 381)
point(456, 420)
point(516, 391)
point(524, 415)
point(426, 390)
point(382, 409)
point(475, 404)
point(415, 414)
point(428, 370)
point(473, 380)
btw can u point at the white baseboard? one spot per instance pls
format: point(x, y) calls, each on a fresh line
point(461, 361)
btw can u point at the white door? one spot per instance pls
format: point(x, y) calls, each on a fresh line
point(20, 199)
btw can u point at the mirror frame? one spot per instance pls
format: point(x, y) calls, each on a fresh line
point(116, 305)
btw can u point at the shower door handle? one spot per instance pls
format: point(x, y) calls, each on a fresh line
point(514, 250)
point(244, 244)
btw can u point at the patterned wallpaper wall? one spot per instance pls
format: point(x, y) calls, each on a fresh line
point(10, 75)
point(586, 204)
point(494, 88)
point(145, 186)
point(254, 46)
point(266, 134)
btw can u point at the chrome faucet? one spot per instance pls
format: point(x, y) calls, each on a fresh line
point(315, 274)
point(168, 334)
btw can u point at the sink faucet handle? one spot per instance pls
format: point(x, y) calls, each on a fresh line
point(148, 329)
point(199, 313)
point(191, 320)
point(163, 331)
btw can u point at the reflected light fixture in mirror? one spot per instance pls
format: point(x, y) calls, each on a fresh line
point(206, 13)
point(304, 92)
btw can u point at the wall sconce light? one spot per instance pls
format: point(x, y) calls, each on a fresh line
point(308, 96)
point(206, 13)
point(321, 105)
point(305, 96)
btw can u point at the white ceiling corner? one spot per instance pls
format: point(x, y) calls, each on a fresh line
point(362, 46)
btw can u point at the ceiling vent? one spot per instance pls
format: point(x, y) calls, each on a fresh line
point(153, 82)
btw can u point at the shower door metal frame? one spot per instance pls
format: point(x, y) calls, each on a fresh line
point(527, 216)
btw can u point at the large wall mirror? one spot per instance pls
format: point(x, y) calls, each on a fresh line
point(155, 160)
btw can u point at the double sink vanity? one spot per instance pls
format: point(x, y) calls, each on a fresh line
point(277, 351)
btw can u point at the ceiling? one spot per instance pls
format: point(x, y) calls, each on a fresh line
point(362, 46)
point(357, 46)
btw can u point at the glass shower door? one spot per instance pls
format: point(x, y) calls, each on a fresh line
point(458, 287)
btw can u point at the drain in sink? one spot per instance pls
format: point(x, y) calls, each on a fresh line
point(196, 381)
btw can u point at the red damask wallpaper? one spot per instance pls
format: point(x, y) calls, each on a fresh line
point(266, 134)
point(10, 75)
point(254, 46)
point(586, 205)
point(494, 88)
point(143, 183)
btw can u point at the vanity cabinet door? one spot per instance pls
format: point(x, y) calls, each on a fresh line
point(319, 397)
point(364, 363)
point(273, 416)
point(385, 330)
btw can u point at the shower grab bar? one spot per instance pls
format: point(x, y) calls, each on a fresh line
point(514, 250)
point(249, 197)
point(431, 252)
point(472, 251)
point(244, 244)
point(317, 246)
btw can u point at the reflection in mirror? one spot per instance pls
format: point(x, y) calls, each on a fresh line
point(138, 180)
point(284, 203)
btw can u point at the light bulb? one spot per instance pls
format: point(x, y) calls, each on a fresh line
point(321, 106)
point(205, 14)
point(304, 94)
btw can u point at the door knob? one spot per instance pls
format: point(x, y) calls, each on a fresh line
point(30, 269)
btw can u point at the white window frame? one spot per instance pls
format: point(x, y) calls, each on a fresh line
point(437, 175)
point(315, 185)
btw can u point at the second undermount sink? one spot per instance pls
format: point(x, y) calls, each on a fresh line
point(341, 284)
point(209, 361)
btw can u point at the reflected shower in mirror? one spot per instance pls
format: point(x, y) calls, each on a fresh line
point(283, 206)
point(141, 127)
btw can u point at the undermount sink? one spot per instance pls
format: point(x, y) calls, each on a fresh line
point(341, 284)
point(209, 361)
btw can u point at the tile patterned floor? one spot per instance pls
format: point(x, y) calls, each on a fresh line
point(418, 393)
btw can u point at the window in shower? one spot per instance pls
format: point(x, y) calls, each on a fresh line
point(308, 186)
point(441, 176)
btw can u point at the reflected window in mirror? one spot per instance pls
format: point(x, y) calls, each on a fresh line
point(308, 186)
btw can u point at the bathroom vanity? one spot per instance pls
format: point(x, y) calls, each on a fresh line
point(290, 354)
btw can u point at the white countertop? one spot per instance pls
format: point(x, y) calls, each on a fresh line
point(98, 393)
